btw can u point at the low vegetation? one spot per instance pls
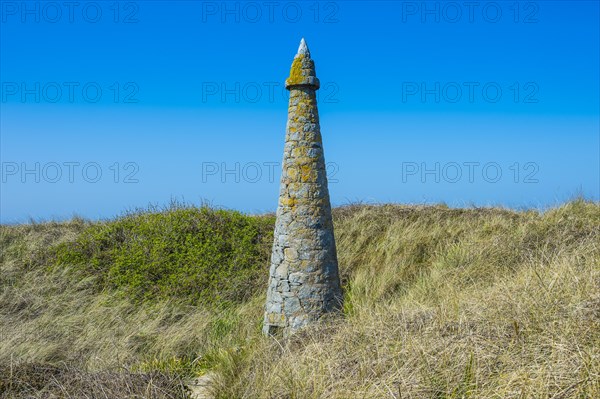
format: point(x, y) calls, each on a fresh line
point(439, 303)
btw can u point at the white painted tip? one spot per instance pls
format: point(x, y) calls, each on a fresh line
point(303, 49)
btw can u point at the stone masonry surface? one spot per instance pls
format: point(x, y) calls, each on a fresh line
point(304, 281)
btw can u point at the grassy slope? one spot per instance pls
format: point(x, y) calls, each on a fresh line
point(440, 302)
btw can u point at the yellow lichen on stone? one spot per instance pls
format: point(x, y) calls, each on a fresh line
point(292, 173)
point(304, 103)
point(288, 201)
point(276, 318)
point(296, 70)
point(300, 151)
point(304, 160)
point(307, 174)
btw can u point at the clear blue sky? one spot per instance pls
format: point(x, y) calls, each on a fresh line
point(421, 102)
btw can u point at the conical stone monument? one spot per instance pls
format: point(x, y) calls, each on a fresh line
point(304, 282)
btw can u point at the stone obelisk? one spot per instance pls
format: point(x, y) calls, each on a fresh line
point(304, 282)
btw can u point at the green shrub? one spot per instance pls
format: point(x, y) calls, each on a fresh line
point(199, 254)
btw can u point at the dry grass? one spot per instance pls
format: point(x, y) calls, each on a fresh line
point(35, 381)
point(440, 303)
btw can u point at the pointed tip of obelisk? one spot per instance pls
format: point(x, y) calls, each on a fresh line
point(303, 49)
point(302, 72)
